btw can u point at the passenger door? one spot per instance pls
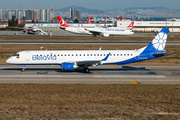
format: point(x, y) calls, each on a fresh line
point(27, 55)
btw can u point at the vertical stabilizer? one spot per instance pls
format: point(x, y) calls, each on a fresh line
point(120, 19)
point(19, 22)
point(131, 25)
point(159, 42)
point(62, 22)
point(34, 19)
point(89, 20)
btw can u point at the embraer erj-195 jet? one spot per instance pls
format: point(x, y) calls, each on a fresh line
point(65, 26)
point(72, 59)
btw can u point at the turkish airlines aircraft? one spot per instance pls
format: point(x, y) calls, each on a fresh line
point(72, 59)
point(89, 20)
point(107, 31)
point(65, 26)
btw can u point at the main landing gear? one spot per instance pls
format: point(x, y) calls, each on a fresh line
point(23, 69)
point(86, 70)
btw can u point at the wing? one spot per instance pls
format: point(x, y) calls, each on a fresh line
point(86, 63)
point(42, 31)
point(92, 62)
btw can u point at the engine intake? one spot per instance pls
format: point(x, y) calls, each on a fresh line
point(69, 66)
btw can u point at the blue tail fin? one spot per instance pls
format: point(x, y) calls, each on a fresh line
point(159, 42)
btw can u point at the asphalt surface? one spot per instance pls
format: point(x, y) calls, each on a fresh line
point(82, 42)
point(65, 33)
point(98, 75)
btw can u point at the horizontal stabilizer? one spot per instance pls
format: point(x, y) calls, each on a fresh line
point(166, 53)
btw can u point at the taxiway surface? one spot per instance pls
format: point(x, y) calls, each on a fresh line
point(65, 33)
point(25, 42)
point(99, 75)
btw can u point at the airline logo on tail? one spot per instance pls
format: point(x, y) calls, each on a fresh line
point(131, 25)
point(34, 19)
point(120, 19)
point(62, 22)
point(159, 41)
point(19, 22)
point(89, 20)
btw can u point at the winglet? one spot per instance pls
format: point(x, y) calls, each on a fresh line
point(100, 48)
point(106, 57)
point(131, 25)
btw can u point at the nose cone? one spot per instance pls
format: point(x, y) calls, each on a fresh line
point(8, 60)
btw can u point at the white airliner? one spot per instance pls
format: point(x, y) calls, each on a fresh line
point(72, 59)
point(107, 31)
point(33, 29)
point(78, 30)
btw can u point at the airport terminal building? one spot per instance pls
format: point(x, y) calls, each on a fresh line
point(154, 26)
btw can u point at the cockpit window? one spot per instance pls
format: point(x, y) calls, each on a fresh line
point(16, 55)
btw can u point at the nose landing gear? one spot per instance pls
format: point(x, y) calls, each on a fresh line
point(86, 70)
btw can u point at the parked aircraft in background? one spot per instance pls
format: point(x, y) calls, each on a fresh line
point(72, 59)
point(65, 26)
point(107, 31)
point(33, 29)
point(19, 22)
point(89, 20)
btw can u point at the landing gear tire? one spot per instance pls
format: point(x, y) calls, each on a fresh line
point(86, 70)
point(23, 69)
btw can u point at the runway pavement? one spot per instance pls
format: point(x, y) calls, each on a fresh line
point(98, 75)
point(65, 33)
point(25, 42)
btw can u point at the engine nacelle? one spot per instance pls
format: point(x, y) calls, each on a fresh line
point(69, 66)
point(106, 35)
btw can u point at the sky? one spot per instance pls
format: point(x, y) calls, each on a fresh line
point(94, 4)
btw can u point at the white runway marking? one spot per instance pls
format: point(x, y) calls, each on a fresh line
point(85, 76)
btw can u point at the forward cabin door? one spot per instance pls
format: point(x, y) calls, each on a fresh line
point(27, 55)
